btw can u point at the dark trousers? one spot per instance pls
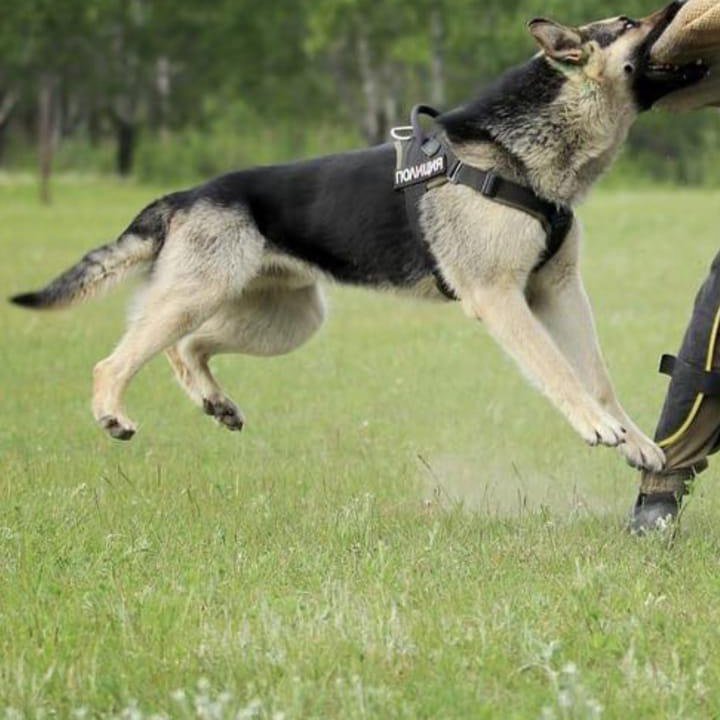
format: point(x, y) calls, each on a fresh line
point(689, 426)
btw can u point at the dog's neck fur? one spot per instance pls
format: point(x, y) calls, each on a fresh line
point(556, 133)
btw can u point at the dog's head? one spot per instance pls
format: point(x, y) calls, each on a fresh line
point(616, 53)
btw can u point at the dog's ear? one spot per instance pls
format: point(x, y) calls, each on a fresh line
point(558, 42)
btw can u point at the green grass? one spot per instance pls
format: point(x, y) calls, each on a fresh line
point(314, 567)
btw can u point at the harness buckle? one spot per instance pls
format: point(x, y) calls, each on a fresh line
point(403, 133)
point(454, 172)
point(431, 146)
point(490, 185)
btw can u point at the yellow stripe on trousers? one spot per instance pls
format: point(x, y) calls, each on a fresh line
point(699, 399)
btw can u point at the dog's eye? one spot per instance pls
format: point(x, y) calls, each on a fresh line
point(629, 23)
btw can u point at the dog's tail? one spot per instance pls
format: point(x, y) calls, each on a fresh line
point(106, 266)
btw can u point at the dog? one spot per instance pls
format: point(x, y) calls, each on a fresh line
point(235, 265)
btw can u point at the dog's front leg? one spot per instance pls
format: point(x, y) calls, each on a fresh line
point(505, 311)
point(561, 304)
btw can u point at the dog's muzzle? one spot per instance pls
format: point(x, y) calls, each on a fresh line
point(653, 81)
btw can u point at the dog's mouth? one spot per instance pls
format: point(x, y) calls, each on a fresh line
point(681, 75)
point(653, 81)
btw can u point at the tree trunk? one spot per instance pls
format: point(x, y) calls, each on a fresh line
point(392, 86)
point(437, 58)
point(7, 106)
point(47, 118)
point(163, 77)
point(94, 127)
point(339, 59)
point(373, 124)
point(126, 134)
point(3, 143)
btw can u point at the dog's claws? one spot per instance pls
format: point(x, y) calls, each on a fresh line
point(225, 412)
point(116, 429)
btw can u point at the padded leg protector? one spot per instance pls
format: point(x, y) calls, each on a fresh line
point(689, 426)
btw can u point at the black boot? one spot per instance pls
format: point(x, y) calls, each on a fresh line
point(658, 504)
point(654, 512)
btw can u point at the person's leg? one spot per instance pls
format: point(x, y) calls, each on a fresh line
point(689, 426)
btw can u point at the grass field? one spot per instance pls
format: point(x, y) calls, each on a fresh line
point(403, 530)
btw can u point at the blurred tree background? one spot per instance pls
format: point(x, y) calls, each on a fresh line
point(174, 90)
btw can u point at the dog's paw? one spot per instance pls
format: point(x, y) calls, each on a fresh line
point(598, 427)
point(117, 427)
point(225, 412)
point(642, 453)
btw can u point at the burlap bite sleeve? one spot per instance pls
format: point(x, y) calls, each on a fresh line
point(694, 32)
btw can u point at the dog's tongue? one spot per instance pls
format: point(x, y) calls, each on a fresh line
point(694, 34)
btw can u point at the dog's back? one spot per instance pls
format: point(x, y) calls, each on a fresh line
point(338, 213)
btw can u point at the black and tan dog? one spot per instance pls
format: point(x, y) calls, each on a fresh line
point(235, 264)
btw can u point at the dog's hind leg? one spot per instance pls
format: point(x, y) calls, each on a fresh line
point(165, 318)
point(264, 323)
point(189, 359)
point(210, 258)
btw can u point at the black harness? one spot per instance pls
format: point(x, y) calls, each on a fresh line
point(427, 161)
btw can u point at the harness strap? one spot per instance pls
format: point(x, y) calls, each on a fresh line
point(412, 198)
point(442, 286)
point(702, 381)
point(417, 111)
point(556, 220)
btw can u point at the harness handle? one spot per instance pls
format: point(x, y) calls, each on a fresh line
point(417, 111)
